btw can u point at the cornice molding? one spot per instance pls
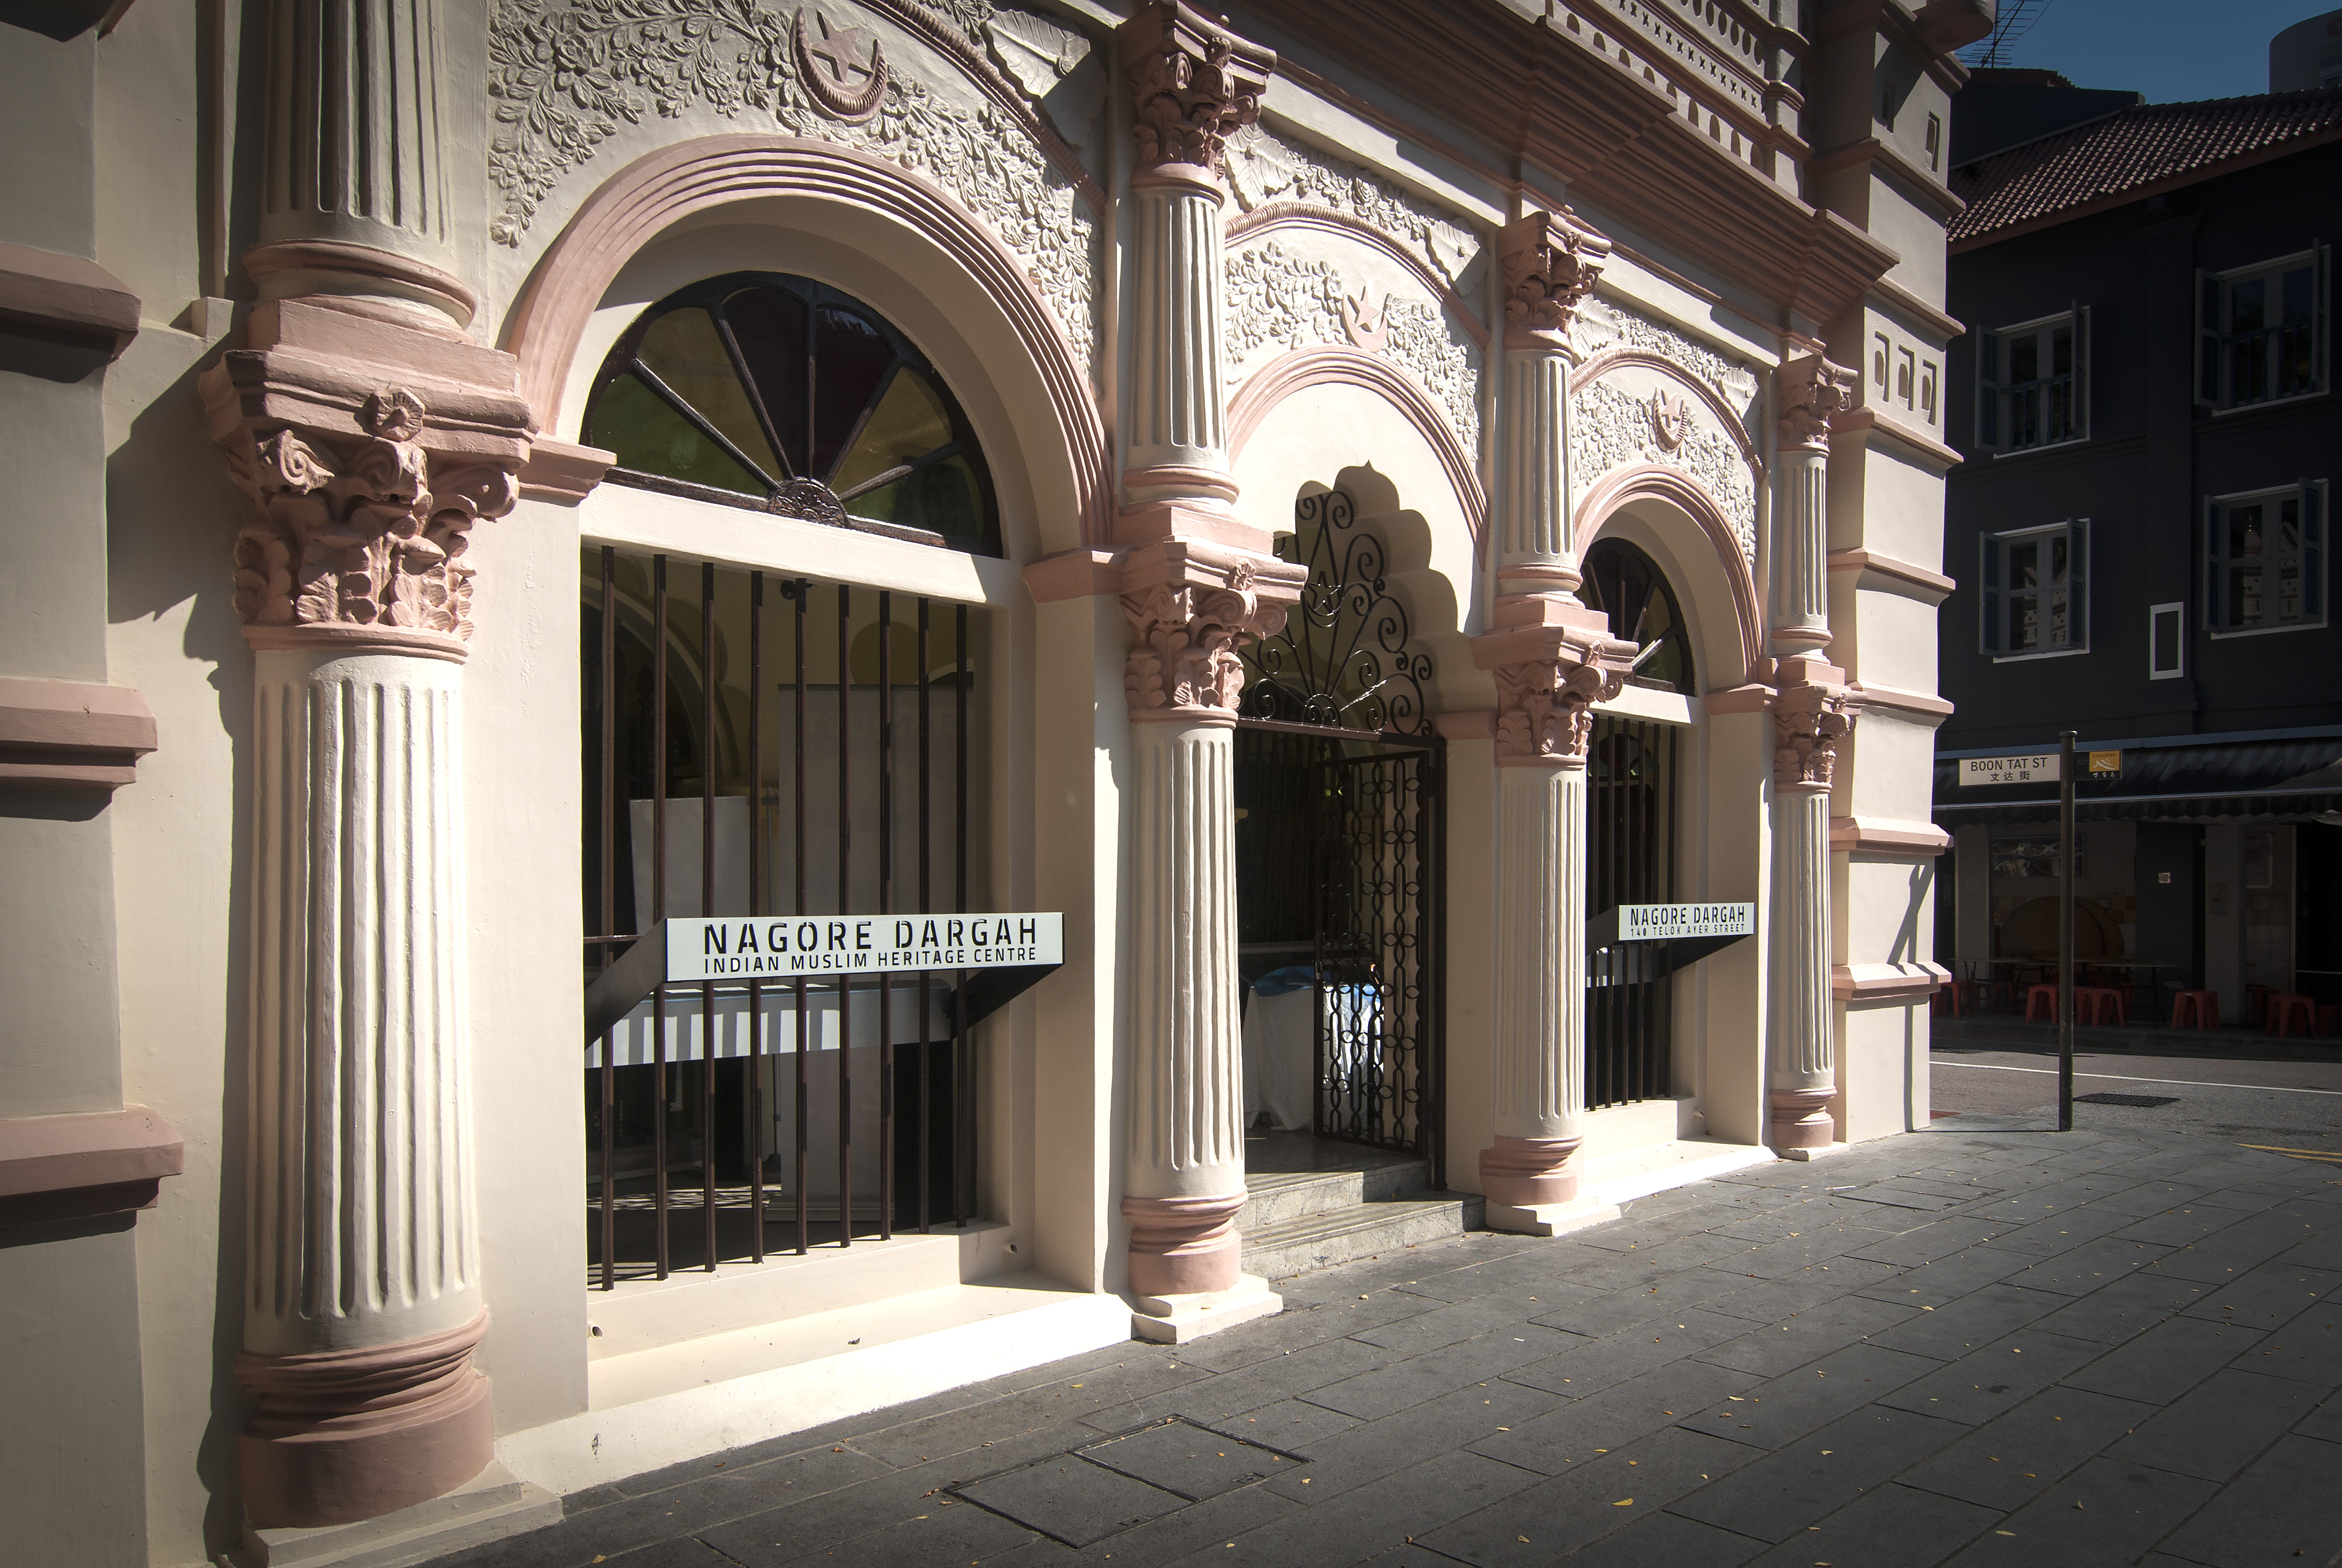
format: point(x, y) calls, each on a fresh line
point(72, 733)
point(1886, 983)
point(1914, 707)
point(1929, 187)
point(1888, 837)
point(55, 296)
point(82, 1166)
point(1902, 577)
point(1926, 448)
point(1932, 321)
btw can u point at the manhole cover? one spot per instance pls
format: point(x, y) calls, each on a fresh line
point(2143, 1101)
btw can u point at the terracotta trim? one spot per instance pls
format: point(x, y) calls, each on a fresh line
point(1930, 188)
point(1887, 836)
point(1184, 1246)
point(1467, 723)
point(1926, 448)
point(416, 280)
point(1929, 317)
point(66, 296)
point(1074, 574)
point(1748, 699)
point(1621, 486)
point(1301, 215)
point(72, 733)
point(77, 1166)
point(1896, 982)
point(1292, 371)
point(1922, 707)
point(1932, 587)
point(642, 200)
point(563, 474)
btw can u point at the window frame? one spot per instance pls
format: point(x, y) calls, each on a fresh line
point(1995, 391)
point(1995, 594)
point(2314, 495)
point(2178, 611)
point(2213, 338)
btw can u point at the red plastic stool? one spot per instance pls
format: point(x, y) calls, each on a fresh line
point(2092, 1003)
point(2256, 1003)
point(2196, 1009)
point(2042, 999)
point(2284, 1006)
point(1951, 997)
point(2329, 1019)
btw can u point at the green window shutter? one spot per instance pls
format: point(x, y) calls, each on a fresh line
point(2078, 585)
point(1989, 597)
point(1989, 391)
point(2208, 338)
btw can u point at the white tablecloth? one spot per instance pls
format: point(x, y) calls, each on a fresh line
point(1280, 1049)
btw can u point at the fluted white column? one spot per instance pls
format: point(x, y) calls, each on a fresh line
point(1800, 552)
point(1803, 1078)
point(1535, 550)
point(1179, 434)
point(1540, 1015)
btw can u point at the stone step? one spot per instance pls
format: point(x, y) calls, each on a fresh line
point(1285, 1248)
point(1281, 1196)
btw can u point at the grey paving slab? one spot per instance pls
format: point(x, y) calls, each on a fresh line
point(1937, 1239)
point(1791, 1254)
point(1595, 1315)
point(1295, 1425)
point(1948, 1278)
point(1034, 1410)
point(2078, 1271)
point(2014, 1458)
point(1668, 1540)
point(1887, 1527)
point(1425, 1377)
point(1778, 1495)
point(2308, 1348)
point(961, 1534)
point(2283, 1511)
point(2116, 1311)
point(2064, 1231)
point(2166, 1361)
point(1250, 1387)
point(1994, 1377)
point(684, 1552)
point(2216, 1429)
point(1071, 1500)
point(1193, 1461)
point(1414, 1504)
point(1607, 1494)
point(1584, 1429)
point(1808, 1335)
point(1976, 1319)
point(2325, 1422)
point(1445, 1325)
point(1770, 1301)
point(1588, 1366)
point(2321, 1250)
point(2155, 1198)
point(2105, 1513)
point(1786, 1408)
point(2267, 1297)
point(1372, 1451)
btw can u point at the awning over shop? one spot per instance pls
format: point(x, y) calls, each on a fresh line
point(2289, 778)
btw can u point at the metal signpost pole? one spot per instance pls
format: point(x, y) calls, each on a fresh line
point(2065, 932)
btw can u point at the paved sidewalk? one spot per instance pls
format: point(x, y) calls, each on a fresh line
point(1972, 1345)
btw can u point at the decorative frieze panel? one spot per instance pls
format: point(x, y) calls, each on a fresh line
point(1263, 169)
point(1634, 418)
point(1603, 325)
point(1277, 300)
point(566, 77)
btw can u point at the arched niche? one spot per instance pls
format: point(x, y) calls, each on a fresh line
point(1662, 518)
point(864, 227)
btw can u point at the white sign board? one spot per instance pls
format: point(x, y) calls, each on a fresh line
point(2027, 767)
point(777, 947)
point(1659, 922)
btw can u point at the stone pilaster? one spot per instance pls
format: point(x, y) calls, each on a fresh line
point(1813, 711)
point(1190, 609)
point(1193, 85)
point(1550, 265)
point(1553, 660)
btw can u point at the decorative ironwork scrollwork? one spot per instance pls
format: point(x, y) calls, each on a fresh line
point(1342, 660)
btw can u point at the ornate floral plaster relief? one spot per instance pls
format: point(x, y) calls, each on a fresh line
point(1280, 299)
point(567, 76)
point(1264, 169)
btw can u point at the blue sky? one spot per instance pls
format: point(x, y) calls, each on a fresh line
point(2171, 50)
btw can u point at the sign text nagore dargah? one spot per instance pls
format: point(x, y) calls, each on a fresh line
point(722, 948)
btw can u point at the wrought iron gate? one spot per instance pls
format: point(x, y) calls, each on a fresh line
point(1340, 785)
point(1631, 805)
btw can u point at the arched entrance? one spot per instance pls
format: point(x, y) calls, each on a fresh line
point(1338, 787)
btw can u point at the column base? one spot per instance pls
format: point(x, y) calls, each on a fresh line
point(341, 1436)
point(1185, 1246)
point(1801, 1120)
point(1549, 1219)
point(1530, 1172)
point(1179, 1319)
point(492, 1505)
point(1812, 1152)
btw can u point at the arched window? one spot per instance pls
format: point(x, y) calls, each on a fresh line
point(779, 393)
point(1628, 586)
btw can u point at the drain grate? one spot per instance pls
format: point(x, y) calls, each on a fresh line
point(2143, 1101)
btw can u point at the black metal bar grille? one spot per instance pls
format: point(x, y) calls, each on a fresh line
point(688, 1104)
point(1631, 779)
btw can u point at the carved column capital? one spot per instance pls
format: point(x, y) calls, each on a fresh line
point(1552, 662)
point(1808, 723)
point(1812, 393)
point(1550, 263)
point(1193, 85)
point(1191, 610)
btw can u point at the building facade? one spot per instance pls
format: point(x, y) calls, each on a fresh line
point(2145, 403)
point(1344, 509)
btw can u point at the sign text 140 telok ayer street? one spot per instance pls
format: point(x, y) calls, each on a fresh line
point(773, 946)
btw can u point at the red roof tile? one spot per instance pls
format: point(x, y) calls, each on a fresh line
point(2153, 144)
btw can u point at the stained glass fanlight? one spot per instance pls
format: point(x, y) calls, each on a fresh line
point(786, 395)
point(1628, 586)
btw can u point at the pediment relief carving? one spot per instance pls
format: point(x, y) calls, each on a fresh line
point(1265, 170)
point(573, 83)
point(1290, 289)
point(1603, 326)
point(1636, 408)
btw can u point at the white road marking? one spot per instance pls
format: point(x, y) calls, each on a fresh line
point(2119, 1078)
